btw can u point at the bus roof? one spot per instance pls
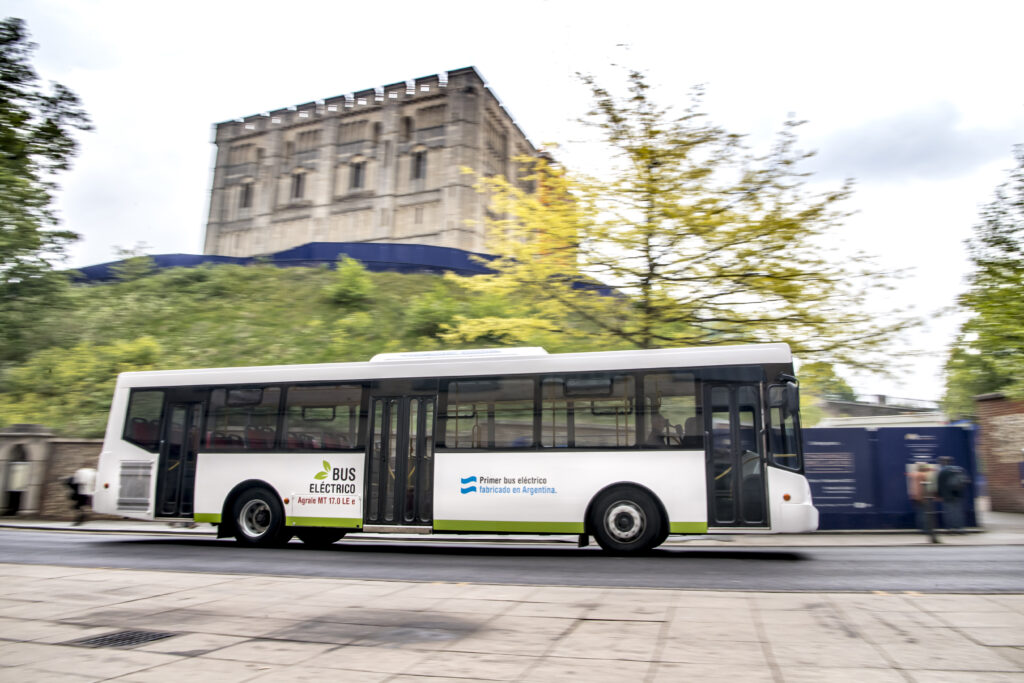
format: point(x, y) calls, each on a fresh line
point(464, 363)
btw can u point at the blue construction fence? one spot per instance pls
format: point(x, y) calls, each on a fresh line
point(858, 476)
point(377, 257)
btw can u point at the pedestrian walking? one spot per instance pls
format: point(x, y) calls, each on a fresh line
point(952, 490)
point(82, 485)
point(920, 489)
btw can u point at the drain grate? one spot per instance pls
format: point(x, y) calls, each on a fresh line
point(120, 639)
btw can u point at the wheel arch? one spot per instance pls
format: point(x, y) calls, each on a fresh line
point(227, 525)
point(588, 514)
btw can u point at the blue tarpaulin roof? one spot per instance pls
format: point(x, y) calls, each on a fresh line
point(400, 258)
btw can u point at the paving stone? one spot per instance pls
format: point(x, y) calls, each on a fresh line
point(475, 665)
point(817, 674)
point(202, 669)
point(380, 659)
point(674, 672)
point(312, 674)
point(961, 676)
point(271, 651)
point(1006, 619)
point(588, 670)
point(191, 644)
point(100, 663)
point(610, 640)
point(1009, 636)
point(944, 649)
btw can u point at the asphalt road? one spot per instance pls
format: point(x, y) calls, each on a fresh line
point(953, 569)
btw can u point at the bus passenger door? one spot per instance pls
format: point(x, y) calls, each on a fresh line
point(735, 462)
point(177, 472)
point(400, 461)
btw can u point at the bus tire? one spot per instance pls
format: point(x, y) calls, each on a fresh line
point(259, 518)
point(319, 538)
point(626, 520)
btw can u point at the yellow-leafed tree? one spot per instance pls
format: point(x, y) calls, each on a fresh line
point(691, 240)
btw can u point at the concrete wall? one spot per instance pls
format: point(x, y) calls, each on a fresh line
point(1000, 445)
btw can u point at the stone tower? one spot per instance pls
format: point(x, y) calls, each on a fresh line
point(379, 165)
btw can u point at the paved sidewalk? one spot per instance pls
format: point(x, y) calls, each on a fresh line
point(244, 627)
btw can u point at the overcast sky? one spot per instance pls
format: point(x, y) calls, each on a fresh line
point(920, 103)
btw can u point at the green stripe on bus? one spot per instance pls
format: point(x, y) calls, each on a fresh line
point(343, 522)
point(688, 527)
point(210, 517)
point(528, 527)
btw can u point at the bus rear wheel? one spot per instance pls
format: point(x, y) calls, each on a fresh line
point(626, 520)
point(259, 518)
point(319, 538)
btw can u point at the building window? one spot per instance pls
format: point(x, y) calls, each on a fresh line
point(408, 127)
point(245, 196)
point(298, 185)
point(309, 140)
point(418, 215)
point(419, 165)
point(357, 175)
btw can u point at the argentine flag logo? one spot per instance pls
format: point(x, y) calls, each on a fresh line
point(471, 481)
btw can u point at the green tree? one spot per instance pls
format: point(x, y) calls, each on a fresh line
point(35, 143)
point(988, 355)
point(70, 389)
point(703, 241)
point(352, 286)
point(819, 381)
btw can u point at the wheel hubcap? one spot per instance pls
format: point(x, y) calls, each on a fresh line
point(625, 521)
point(255, 518)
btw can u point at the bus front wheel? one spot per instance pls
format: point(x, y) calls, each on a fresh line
point(626, 520)
point(259, 518)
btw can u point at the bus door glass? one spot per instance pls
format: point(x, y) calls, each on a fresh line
point(400, 461)
point(177, 471)
point(735, 463)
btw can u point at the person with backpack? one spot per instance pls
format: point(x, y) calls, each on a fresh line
point(921, 493)
point(952, 489)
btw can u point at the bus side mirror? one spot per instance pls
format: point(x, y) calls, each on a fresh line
point(792, 398)
point(786, 397)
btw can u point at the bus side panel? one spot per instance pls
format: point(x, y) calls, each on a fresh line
point(123, 463)
point(548, 492)
point(796, 515)
point(322, 489)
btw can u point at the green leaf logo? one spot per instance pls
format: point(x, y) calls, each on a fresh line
point(327, 471)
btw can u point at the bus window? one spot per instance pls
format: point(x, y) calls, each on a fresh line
point(323, 417)
point(142, 428)
point(489, 413)
point(243, 419)
point(783, 434)
point(672, 411)
point(588, 411)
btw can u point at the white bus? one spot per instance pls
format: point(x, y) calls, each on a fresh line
point(624, 446)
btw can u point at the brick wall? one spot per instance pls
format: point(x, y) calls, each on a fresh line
point(1000, 441)
point(66, 456)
